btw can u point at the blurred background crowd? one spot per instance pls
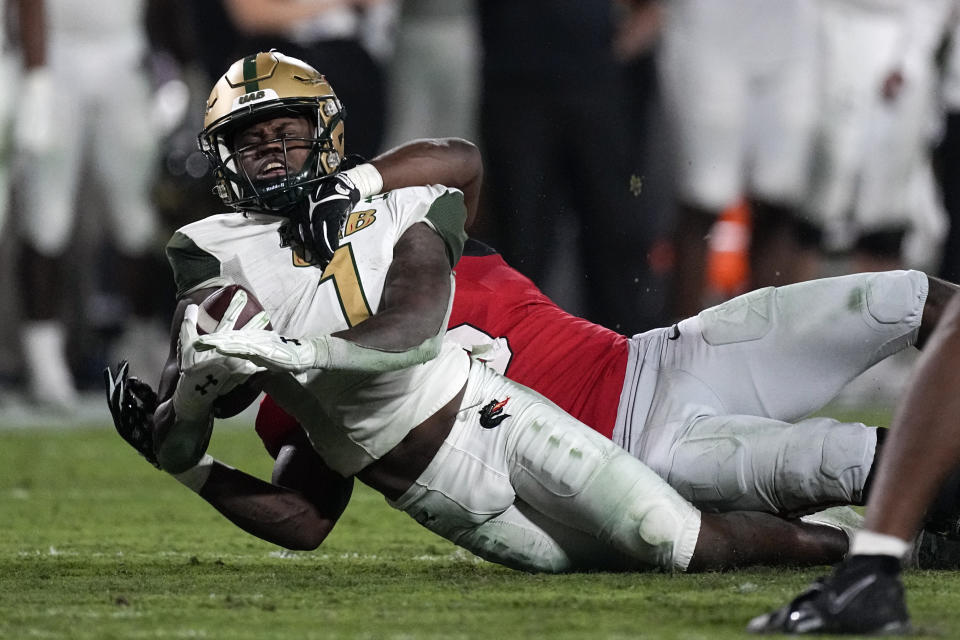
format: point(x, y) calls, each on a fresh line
point(643, 158)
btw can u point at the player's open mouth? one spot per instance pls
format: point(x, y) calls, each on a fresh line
point(272, 169)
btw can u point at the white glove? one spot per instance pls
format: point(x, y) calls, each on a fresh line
point(207, 375)
point(33, 130)
point(268, 349)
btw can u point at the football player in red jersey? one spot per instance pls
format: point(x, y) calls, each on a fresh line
point(717, 403)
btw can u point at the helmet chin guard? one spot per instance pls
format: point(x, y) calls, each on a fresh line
point(257, 88)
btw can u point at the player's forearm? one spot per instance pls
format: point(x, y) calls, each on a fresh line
point(403, 328)
point(180, 442)
point(452, 162)
point(416, 299)
point(275, 514)
point(184, 416)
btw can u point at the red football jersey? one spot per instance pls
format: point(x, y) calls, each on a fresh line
point(578, 365)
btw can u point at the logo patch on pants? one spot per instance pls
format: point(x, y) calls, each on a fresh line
point(492, 413)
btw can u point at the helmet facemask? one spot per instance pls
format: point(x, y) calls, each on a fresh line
point(276, 195)
point(259, 88)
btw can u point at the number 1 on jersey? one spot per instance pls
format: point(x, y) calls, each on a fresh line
point(346, 281)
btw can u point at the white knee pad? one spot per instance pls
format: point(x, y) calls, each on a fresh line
point(712, 472)
point(894, 297)
point(848, 452)
point(575, 476)
point(748, 463)
point(648, 521)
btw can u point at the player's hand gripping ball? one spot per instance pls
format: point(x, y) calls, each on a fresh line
point(214, 306)
point(209, 315)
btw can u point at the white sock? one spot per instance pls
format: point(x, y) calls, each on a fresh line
point(44, 349)
point(44, 337)
point(871, 543)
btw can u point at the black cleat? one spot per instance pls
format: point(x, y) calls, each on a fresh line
point(864, 595)
point(934, 551)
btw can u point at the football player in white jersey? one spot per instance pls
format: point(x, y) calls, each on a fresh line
point(739, 82)
point(96, 49)
point(875, 127)
point(356, 355)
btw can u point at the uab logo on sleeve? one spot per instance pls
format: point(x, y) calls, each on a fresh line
point(358, 221)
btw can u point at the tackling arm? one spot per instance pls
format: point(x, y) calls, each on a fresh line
point(297, 512)
point(452, 162)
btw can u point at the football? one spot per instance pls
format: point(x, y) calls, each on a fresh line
point(215, 305)
point(208, 317)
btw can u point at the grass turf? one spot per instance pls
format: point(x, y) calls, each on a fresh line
point(95, 543)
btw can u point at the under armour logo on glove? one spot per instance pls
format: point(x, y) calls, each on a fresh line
point(202, 388)
point(204, 376)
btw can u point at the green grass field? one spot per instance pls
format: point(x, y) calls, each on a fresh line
point(95, 543)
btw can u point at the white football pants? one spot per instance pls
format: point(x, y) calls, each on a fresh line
point(718, 404)
point(521, 483)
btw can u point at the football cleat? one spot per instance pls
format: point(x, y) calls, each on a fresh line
point(934, 551)
point(943, 516)
point(864, 595)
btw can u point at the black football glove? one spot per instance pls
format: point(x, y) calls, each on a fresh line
point(132, 403)
point(319, 222)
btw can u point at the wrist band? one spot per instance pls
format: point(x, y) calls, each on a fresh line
point(366, 178)
point(196, 476)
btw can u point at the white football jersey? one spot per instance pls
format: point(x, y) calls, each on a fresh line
point(351, 418)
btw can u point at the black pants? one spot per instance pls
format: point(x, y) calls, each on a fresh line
point(552, 150)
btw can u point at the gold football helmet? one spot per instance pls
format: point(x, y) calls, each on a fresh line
point(260, 87)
